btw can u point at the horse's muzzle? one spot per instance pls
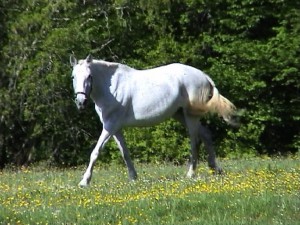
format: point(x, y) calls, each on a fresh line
point(80, 101)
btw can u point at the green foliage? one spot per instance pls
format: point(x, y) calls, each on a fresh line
point(249, 48)
point(165, 142)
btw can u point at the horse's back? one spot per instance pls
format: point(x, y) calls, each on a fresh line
point(155, 95)
point(196, 87)
point(192, 81)
point(158, 93)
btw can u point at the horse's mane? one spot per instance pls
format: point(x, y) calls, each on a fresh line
point(108, 64)
point(102, 62)
point(112, 64)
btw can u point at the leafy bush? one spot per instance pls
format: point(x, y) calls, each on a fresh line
point(249, 48)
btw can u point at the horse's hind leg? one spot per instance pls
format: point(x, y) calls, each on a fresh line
point(125, 154)
point(192, 126)
point(205, 136)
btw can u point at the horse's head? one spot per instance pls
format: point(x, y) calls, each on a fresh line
point(82, 80)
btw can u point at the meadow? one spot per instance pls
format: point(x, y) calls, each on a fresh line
point(252, 191)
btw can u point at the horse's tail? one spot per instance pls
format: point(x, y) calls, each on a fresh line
point(209, 100)
point(222, 106)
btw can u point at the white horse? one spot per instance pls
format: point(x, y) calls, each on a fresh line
point(124, 96)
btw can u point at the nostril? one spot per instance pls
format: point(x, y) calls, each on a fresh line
point(81, 102)
point(78, 102)
point(84, 102)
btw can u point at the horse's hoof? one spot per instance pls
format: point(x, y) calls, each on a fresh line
point(133, 177)
point(191, 174)
point(218, 171)
point(83, 184)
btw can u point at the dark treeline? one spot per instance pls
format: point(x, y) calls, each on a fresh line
point(250, 48)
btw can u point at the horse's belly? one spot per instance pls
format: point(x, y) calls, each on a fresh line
point(154, 108)
point(148, 120)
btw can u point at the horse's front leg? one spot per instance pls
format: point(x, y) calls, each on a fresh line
point(119, 138)
point(104, 137)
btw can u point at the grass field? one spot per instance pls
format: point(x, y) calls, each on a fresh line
point(254, 191)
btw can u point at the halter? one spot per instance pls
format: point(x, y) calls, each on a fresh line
point(83, 93)
point(80, 92)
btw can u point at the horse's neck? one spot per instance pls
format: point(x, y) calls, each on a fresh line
point(102, 73)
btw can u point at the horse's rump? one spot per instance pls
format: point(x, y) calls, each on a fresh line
point(208, 100)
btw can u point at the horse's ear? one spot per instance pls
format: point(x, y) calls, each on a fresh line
point(73, 60)
point(89, 58)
